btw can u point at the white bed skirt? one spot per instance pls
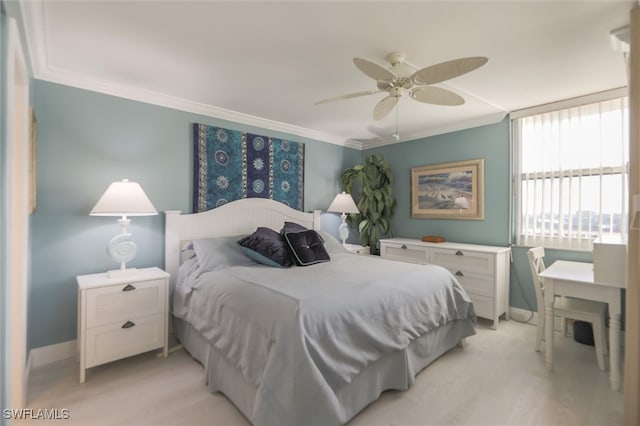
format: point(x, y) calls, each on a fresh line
point(393, 371)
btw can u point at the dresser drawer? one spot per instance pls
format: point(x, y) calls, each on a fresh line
point(110, 342)
point(464, 260)
point(475, 283)
point(357, 249)
point(483, 305)
point(118, 303)
point(404, 252)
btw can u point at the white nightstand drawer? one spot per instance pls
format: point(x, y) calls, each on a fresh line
point(484, 306)
point(404, 252)
point(114, 341)
point(465, 260)
point(475, 283)
point(118, 303)
point(357, 249)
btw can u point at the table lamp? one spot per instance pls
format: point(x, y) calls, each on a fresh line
point(123, 199)
point(343, 203)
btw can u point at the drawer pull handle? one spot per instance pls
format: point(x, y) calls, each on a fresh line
point(459, 253)
point(128, 287)
point(460, 274)
point(404, 247)
point(128, 324)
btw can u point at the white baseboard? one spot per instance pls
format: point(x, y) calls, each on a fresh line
point(49, 354)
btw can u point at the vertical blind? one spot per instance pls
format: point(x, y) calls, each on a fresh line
point(572, 165)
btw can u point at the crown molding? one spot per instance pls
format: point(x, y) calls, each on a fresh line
point(462, 125)
point(33, 15)
point(605, 95)
point(35, 34)
point(160, 99)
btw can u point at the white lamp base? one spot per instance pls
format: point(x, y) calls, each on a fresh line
point(121, 249)
point(343, 229)
point(122, 273)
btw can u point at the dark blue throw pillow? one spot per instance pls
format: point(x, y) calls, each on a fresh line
point(292, 227)
point(267, 247)
point(307, 247)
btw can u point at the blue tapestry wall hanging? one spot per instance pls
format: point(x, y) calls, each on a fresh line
point(230, 165)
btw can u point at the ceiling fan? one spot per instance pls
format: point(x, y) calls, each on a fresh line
point(403, 78)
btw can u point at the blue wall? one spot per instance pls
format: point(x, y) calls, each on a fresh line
point(87, 140)
point(490, 142)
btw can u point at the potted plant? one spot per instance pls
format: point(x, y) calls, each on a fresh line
point(374, 200)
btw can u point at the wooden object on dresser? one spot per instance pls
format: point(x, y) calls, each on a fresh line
point(121, 317)
point(432, 239)
point(483, 271)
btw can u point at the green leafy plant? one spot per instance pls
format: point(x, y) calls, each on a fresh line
point(370, 185)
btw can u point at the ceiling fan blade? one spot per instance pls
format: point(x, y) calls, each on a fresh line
point(448, 70)
point(384, 107)
point(373, 70)
point(349, 96)
point(436, 96)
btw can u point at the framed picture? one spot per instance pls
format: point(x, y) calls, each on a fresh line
point(448, 191)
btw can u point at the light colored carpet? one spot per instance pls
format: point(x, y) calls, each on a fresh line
point(497, 379)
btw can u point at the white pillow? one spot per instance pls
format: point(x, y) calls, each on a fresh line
point(223, 252)
point(331, 244)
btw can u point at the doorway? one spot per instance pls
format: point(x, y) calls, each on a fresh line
point(16, 211)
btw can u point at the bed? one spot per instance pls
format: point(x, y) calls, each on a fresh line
point(308, 345)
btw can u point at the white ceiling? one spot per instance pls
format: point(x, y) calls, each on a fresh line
point(266, 63)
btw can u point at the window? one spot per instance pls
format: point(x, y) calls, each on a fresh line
point(571, 174)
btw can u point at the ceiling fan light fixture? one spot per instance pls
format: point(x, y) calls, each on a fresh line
point(401, 77)
point(396, 91)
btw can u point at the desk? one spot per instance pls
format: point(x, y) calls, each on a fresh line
point(575, 279)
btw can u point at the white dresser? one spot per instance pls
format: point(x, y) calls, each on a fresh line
point(120, 317)
point(483, 271)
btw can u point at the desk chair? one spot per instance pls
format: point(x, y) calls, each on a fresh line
point(567, 307)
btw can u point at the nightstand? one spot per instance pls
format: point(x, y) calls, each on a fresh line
point(357, 249)
point(121, 317)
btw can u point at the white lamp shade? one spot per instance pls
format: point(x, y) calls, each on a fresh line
point(124, 199)
point(343, 203)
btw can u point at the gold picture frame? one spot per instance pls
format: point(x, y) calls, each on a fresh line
point(448, 191)
point(32, 160)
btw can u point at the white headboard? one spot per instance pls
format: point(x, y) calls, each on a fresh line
point(240, 217)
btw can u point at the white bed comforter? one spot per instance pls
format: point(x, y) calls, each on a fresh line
point(300, 334)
